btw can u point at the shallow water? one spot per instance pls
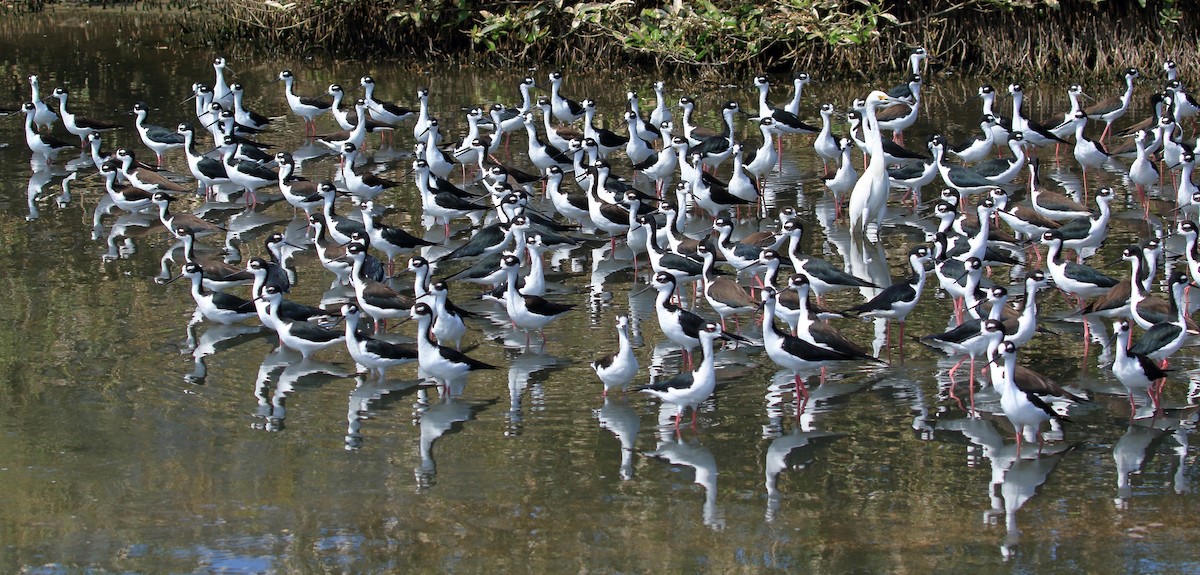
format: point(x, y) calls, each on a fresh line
point(126, 448)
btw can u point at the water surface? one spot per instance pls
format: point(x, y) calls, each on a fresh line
point(127, 448)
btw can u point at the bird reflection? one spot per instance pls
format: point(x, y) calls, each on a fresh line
point(216, 338)
point(792, 451)
point(33, 192)
point(1021, 481)
point(1131, 453)
point(1015, 476)
point(368, 395)
point(295, 369)
point(673, 449)
point(437, 417)
point(620, 418)
point(521, 369)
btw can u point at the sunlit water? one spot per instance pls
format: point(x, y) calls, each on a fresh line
point(134, 443)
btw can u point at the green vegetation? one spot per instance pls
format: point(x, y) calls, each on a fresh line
point(839, 37)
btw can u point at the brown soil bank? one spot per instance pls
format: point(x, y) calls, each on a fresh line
point(829, 38)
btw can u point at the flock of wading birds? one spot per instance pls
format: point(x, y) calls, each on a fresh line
point(574, 199)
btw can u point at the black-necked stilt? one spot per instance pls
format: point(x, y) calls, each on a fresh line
point(220, 87)
point(372, 268)
point(441, 162)
point(1026, 221)
point(45, 145)
point(826, 144)
point(661, 112)
point(355, 133)
point(1089, 153)
point(542, 154)
point(127, 198)
point(560, 136)
point(616, 370)
point(690, 389)
point(817, 332)
point(446, 365)
point(1143, 172)
point(98, 155)
point(376, 299)
point(218, 275)
point(823, 275)
point(970, 338)
point(281, 252)
point(1111, 109)
point(912, 175)
point(759, 162)
point(79, 125)
point(1027, 322)
point(304, 337)
point(288, 310)
point(1137, 372)
point(845, 177)
point(660, 166)
point(792, 353)
point(250, 176)
point(1191, 232)
point(1165, 338)
point(899, 299)
point(1067, 127)
point(366, 185)
point(740, 185)
point(1086, 233)
point(741, 256)
point(963, 180)
point(724, 295)
point(208, 171)
point(145, 178)
point(244, 116)
point(375, 355)
point(443, 205)
point(574, 207)
point(801, 80)
point(716, 149)
point(1036, 133)
point(607, 140)
point(157, 138)
point(783, 121)
point(974, 149)
point(902, 115)
point(510, 116)
point(567, 111)
point(449, 325)
point(662, 260)
point(300, 192)
point(175, 221)
point(1074, 278)
point(390, 240)
point(307, 108)
point(1053, 205)
point(680, 326)
point(638, 148)
point(385, 112)
point(488, 240)
point(338, 227)
point(902, 91)
point(330, 252)
point(43, 116)
point(527, 311)
point(1024, 408)
point(215, 306)
point(1005, 170)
